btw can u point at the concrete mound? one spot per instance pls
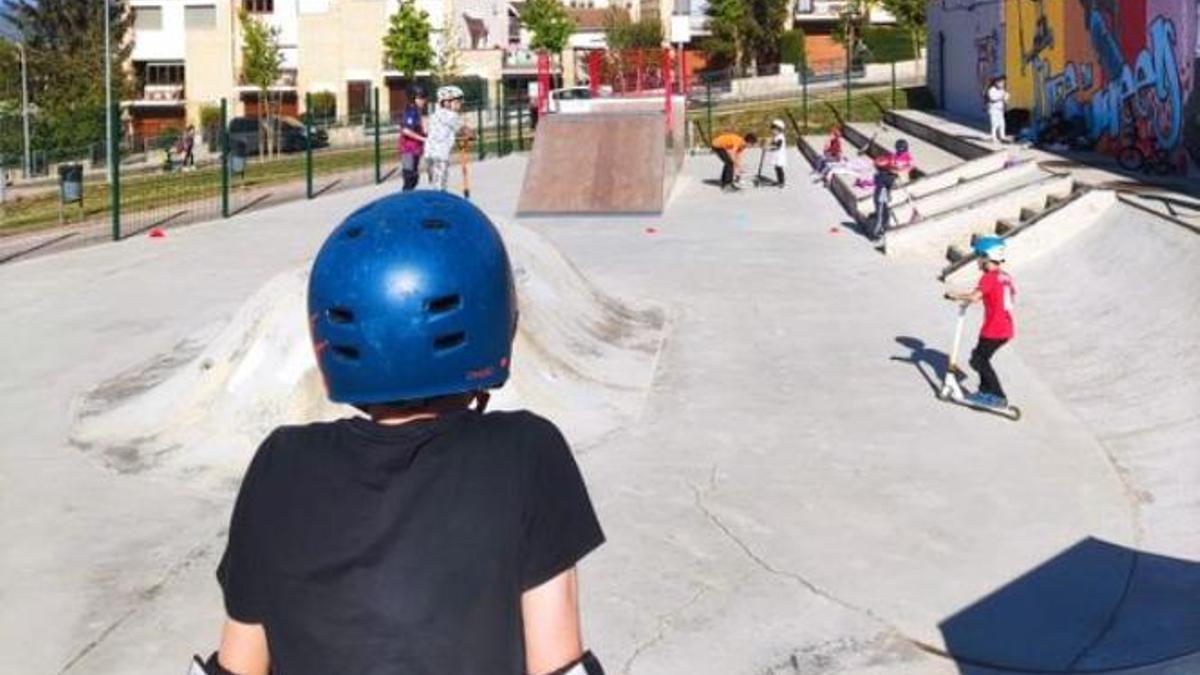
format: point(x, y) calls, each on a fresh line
point(581, 357)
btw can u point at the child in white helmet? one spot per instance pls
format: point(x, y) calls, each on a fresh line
point(445, 128)
point(778, 149)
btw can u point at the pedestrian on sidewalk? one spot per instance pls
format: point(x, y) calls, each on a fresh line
point(189, 148)
point(445, 129)
point(427, 535)
point(729, 147)
point(997, 102)
point(412, 138)
point(778, 149)
point(998, 294)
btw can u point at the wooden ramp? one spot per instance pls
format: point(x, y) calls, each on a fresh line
point(608, 162)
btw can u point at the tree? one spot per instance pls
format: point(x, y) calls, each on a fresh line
point(767, 20)
point(620, 33)
point(848, 31)
point(910, 15)
point(446, 67)
point(262, 65)
point(550, 24)
point(406, 44)
point(728, 28)
point(65, 48)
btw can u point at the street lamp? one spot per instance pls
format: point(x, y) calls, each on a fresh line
point(108, 106)
point(28, 166)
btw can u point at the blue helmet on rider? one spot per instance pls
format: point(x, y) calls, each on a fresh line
point(411, 298)
point(990, 248)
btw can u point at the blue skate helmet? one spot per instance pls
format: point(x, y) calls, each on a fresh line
point(901, 145)
point(990, 248)
point(412, 298)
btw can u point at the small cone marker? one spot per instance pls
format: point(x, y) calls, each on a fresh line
point(651, 230)
point(157, 233)
point(834, 230)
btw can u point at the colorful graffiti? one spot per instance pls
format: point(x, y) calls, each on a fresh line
point(1125, 68)
point(988, 62)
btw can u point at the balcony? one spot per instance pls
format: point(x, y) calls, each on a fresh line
point(163, 93)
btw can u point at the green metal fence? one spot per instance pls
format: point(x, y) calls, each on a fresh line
point(239, 165)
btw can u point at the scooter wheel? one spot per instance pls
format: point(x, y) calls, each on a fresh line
point(943, 394)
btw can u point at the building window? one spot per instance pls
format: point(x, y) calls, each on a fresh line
point(259, 6)
point(200, 17)
point(147, 18)
point(164, 74)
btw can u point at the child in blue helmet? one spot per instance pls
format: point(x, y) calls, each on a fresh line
point(427, 536)
point(998, 294)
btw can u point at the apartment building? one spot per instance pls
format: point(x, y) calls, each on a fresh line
point(187, 53)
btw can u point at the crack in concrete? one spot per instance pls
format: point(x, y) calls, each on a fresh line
point(801, 580)
point(664, 622)
point(149, 593)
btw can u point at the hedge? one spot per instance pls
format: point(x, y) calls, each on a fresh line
point(887, 44)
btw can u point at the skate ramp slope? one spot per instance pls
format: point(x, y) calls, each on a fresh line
point(609, 162)
point(1112, 319)
point(581, 357)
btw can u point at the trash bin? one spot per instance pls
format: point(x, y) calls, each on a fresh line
point(70, 181)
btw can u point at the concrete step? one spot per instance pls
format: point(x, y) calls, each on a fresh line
point(965, 194)
point(964, 138)
point(879, 138)
point(927, 239)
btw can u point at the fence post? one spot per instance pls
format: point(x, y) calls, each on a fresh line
point(849, 62)
point(308, 163)
point(521, 128)
point(499, 146)
point(708, 102)
point(893, 84)
point(114, 163)
point(378, 145)
point(479, 129)
point(804, 93)
point(224, 139)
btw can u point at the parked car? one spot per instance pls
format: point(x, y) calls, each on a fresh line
point(570, 100)
point(245, 136)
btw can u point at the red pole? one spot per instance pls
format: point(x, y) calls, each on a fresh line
point(543, 68)
point(594, 65)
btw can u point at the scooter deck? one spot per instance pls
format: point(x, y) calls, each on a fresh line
point(1012, 412)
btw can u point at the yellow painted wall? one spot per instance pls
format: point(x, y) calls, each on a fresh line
point(1021, 21)
point(210, 68)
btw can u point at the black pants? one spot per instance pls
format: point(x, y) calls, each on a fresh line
point(727, 168)
point(410, 171)
point(779, 175)
point(981, 361)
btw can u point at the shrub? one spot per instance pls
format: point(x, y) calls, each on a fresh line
point(887, 43)
point(791, 48)
point(324, 106)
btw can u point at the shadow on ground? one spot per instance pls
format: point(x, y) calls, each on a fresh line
point(931, 363)
point(1095, 607)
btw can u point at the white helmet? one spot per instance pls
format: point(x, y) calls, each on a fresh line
point(777, 124)
point(448, 93)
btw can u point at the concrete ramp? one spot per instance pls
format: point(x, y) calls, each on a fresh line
point(583, 358)
point(611, 162)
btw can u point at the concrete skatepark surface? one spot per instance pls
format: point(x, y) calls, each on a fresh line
point(786, 495)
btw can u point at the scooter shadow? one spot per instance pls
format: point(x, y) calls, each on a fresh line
point(925, 360)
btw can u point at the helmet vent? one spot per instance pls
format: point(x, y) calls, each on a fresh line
point(346, 352)
point(434, 224)
point(340, 315)
point(446, 303)
point(449, 341)
point(353, 232)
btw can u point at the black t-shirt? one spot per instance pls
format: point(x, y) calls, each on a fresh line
point(372, 549)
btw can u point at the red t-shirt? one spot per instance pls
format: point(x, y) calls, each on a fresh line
point(998, 295)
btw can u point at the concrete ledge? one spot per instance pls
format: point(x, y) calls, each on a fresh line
point(947, 178)
point(964, 194)
point(960, 139)
point(927, 239)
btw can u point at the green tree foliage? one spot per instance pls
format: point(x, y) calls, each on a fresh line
point(65, 46)
point(728, 24)
point(550, 24)
point(767, 21)
point(406, 44)
point(622, 33)
point(262, 65)
point(911, 16)
point(791, 48)
point(446, 66)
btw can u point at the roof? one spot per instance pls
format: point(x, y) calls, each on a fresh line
point(589, 19)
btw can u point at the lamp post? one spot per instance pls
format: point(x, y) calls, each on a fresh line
point(28, 165)
point(108, 105)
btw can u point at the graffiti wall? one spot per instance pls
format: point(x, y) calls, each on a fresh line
point(1125, 70)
